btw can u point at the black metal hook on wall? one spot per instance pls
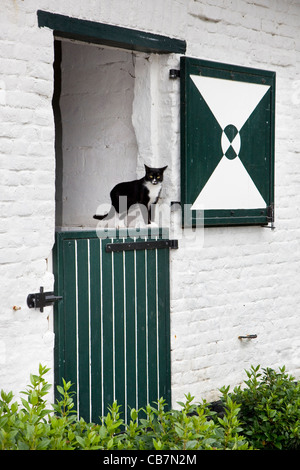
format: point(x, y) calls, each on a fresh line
point(247, 337)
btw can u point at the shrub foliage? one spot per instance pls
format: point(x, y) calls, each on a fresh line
point(269, 408)
point(32, 425)
point(262, 415)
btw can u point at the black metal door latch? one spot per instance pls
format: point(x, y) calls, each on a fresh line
point(42, 299)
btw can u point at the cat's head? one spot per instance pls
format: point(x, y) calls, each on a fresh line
point(155, 175)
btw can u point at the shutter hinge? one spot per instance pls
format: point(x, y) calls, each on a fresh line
point(42, 299)
point(270, 213)
point(270, 217)
point(174, 73)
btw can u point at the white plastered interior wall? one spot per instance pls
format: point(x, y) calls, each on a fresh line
point(109, 110)
point(99, 146)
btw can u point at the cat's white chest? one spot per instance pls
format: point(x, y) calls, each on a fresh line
point(154, 191)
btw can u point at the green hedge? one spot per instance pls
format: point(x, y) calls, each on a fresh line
point(31, 425)
point(269, 408)
point(265, 414)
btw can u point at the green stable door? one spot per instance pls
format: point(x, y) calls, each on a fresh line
point(112, 327)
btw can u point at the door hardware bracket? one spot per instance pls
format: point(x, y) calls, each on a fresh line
point(174, 73)
point(42, 299)
point(146, 245)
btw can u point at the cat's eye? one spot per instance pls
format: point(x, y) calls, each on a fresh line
point(151, 176)
point(158, 177)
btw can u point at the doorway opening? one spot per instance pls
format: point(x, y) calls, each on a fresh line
point(96, 141)
point(112, 326)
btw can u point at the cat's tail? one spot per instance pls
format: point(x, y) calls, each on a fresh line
point(108, 215)
point(99, 217)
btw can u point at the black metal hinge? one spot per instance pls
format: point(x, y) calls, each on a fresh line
point(146, 245)
point(174, 73)
point(270, 213)
point(42, 299)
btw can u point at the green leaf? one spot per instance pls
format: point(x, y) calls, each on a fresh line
point(3, 421)
point(110, 444)
point(60, 389)
point(103, 432)
point(71, 436)
point(43, 444)
point(179, 431)
point(25, 404)
point(80, 441)
point(14, 407)
point(34, 379)
point(157, 444)
point(191, 444)
point(22, 445)
point(181, 404)
point(34, 398)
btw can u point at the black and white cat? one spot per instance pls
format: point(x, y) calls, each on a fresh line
point(145, 191)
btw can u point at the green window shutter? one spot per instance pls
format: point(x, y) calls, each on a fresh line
point(227, 143)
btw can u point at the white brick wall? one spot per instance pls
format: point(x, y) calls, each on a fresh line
point(241, 280)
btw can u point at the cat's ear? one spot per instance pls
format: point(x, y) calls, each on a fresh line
point(146, 167)
point(164, 168)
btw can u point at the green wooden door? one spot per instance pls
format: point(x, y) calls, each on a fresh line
point(112, 328)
